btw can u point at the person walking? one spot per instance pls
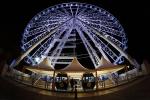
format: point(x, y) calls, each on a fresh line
point(72, 84)
point(75, 92)
point(46, 81)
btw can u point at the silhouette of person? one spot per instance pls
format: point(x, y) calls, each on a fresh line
point(72, 84)
point(75, 91)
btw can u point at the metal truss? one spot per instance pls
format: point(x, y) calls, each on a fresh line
point(51, 31)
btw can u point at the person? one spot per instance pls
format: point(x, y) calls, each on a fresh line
point(102, 81)
point(46, 81)
point(53, 83)
point(75, 82)
point(72, 84)
point(33, 78)
point(75, 92)
point(116, 79)
point(49, 80)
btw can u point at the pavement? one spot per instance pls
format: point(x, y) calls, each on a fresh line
point(138, 89)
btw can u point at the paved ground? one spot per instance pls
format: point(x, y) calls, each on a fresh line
point(137, 90)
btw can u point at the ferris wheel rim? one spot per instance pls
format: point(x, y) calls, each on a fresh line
point(55, 7)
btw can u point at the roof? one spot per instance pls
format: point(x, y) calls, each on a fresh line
point(109, 69)
point(45, 64)
point(75, 66)
point(42, 68)
point(104, 62)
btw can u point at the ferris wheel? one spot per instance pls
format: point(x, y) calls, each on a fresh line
point(69, 30)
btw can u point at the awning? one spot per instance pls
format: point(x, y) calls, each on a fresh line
point(75, 66)
point(46, 63)
point(45, 71)
point(109, 69)
point(43, 68)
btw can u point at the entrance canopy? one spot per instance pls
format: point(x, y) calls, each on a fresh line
point(109, 69)
point(74, 69)
point(75, 66)
point(42, 68)
point(45, 64)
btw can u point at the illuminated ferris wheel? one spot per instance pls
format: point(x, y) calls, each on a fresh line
point(69, 30)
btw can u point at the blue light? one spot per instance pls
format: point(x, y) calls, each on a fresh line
point(67, 17)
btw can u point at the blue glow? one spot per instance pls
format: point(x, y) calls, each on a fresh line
point(74, 16)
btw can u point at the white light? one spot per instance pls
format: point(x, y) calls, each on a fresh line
point(37, 59)
point(85, 21)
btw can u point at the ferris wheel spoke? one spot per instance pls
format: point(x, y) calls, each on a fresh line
point(34, 40)
point(108, 51)
point(119, 60)
point(111, 24)
point(94, 17)
point(85, 12)
point(56, 38)
point(111, 43)
point(104, 47)
point(77, 10)
point(92, 53)
point(60, 46)
point(60, 12)
point(37, 31)
point(39, 24)
point(42, 30)
point(114, 40)
point(111, 31)
point(103, 29)
point(81, 11)
point(71, 11)
point(91, 16)
point(56, 12)
point(67, 12)
point(105, 23)
point(55, 16)
point(38, 37)
point(93, 37)
point(102, 23)
point(37, 43)
point(44, 23)
point(45, 48)
point(29, 60)
point(97, 20)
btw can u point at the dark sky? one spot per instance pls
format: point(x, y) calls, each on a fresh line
point(134, 17)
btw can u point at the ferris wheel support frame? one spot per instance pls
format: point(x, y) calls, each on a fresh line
point(123, 53)
point(84, 17)
point(94, 57)
point(61, 44)
point(96, 43)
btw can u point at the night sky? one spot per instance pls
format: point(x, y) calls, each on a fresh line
point(133, 16)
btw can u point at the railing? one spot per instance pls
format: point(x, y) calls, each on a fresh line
point(39, 83)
